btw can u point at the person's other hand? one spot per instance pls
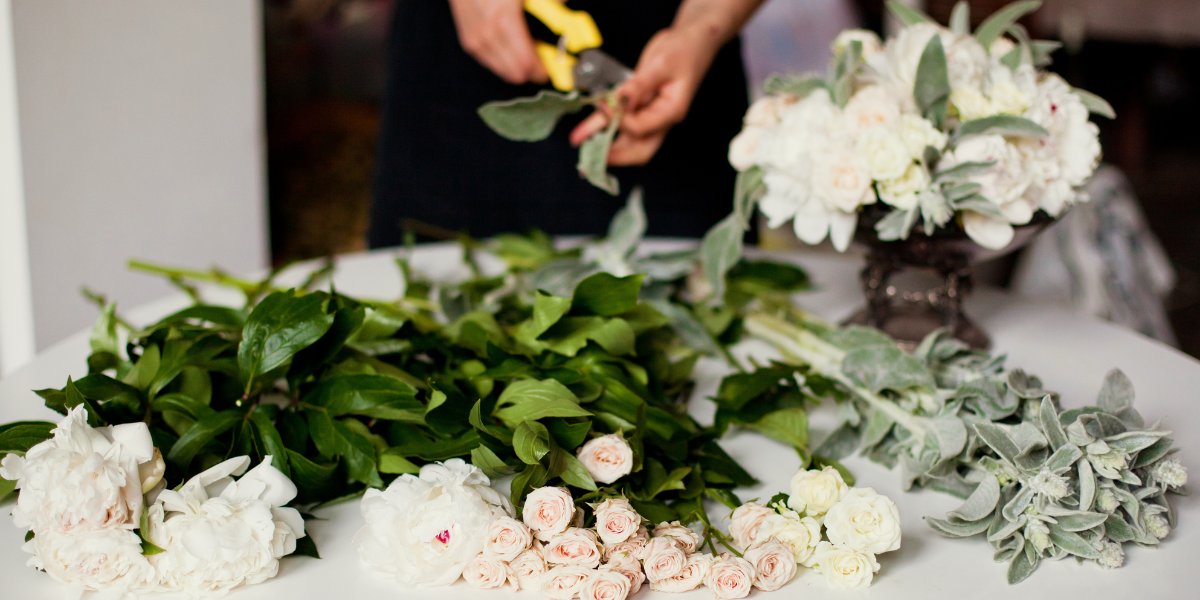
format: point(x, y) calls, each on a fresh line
point(657, 96)
point(494, 33)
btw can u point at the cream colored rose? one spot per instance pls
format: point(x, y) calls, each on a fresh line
point(564, 582)
point(864, 520)
point(607, 458)
point(664, 559)
point(633, 547)
point(575, 546)
point(690, 577)
point(813, 492)
point(841, 179)
point(917, 134)
point(745, 523)
point(871, 107)
point(548, 511)
point(845, 568)
point(616, 520)
point(630, 567)
point(743, 150)
point(507, 537)
point(606, 585)
point(885, 152)
point(800, 534)
point(905, 192)
point(486, 572)
point(767, 111)
point(528, 568)
point(683, 536)
point(730, 577)
point(774, 565)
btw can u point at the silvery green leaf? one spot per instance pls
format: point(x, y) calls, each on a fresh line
point(1012, 59)
point(1133, 441)
point(687, 327)
point(1007, 529)
point(1073, 543)
point(666, 266)
point(1009, 547)
point(978, 204)
point(1006, 125)
point(879, 368)
point(961, 190)
point(842, 442)
point(964, 170)
point(1077, 434)
point(1151, 455)
point(935, 210)
point(932, 88)
point(1117, 530)
point(1080, 520)
point(952, 484)
point(907, 14)
point(1095, 104)
point(896, 225)
point(720, 251)
point(957, 529)
point(1027, 437)
point(999, 22)
point(800, 84)
point(1063, 458)
point(628, 226)
point(951, 436)
point(531, 119)
point(986, 397)
point(998, 440)
point(981, 503)
point(593, 158)
point(748, 189)
point(1023, 564)
point(878, 426)
point(1129, 477)
point(1041, 51)
point(1087, 485)
point(1116, 394)
point(1018, 504)
point(960, 18)
point(1048, 417)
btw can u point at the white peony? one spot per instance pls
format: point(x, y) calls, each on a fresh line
point(1061, 162)
point(616, 520)
point(685, 537)
point(800, 534)
point(864, 520)
point(730, 577)
point(745, 523)
point(506, 538)
point(743, 149)
point(905, 191)
point(664, 559)
point(812, 492)
point(607, 458)
point(424, 530)
point(83, 478)
point(774, 565)
point(548, 511)
point(528, 568)
point(845, 568)
point(219, 533)
point(871, 107)
point(917, 134)
point(574, 546)
point(690, 577)
point(841, 179)
point(565, 582)
point(606, 585)
point(886, 155)
point(97, 559)
point(487, 573)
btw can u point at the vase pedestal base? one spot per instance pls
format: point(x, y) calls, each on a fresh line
point(908, 324)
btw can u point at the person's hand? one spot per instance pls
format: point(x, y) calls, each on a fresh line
point(657, 96)
point(494, 33)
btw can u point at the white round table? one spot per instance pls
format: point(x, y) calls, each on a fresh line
point(1071, 353)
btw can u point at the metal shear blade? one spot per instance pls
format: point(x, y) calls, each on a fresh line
point(597, 71)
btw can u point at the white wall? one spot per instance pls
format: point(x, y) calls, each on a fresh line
point(142, 136)
point(16, 326)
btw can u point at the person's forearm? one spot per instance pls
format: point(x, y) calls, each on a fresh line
point(715, 21)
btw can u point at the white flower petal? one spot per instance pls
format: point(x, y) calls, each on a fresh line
point(988, 232)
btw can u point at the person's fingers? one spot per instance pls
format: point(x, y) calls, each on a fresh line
point(629, 150)
point(590, 126)
point(519, 46)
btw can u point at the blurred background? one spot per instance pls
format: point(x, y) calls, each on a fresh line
point(243, 134)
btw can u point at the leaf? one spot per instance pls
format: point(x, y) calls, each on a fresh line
point(1095, 104)
point(981, 503)
point(1119, 531)
point(658, 480)
point(907, 14)
point(1135, 441)
point(788, 426)
point(738, 389)
point(201, 433)
point(932, 88)
point(488, 462)
point(280, 326)
point(800, 85)
point(605, 295)
point(1006, 125)
point(1051, 426)
point(6, 487)
point(572, 334)
point(308, 474)
point(896, 225)
point(720, 251)
point(628, 226)
point(1022, 565)
point(593, 158)
point(395, 464)
point(1087, 485)
point(960, 18)
point(1080, 521)
point(690, 330)
point(957, 529)
point(1073, 543)
point(999, 441)
point(569, 435)
point(570, 470)
point(1116, 395)
point(531, 119)
point(336, 439)
point(951, 436)
point(531, 441)
point(18, 437)
point(1063, 458)
point(530, 400)
point(270, 442)
point(879, 368)
point(375, 396)
point(999, 22)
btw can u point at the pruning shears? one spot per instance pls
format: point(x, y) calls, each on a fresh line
point(576, 62)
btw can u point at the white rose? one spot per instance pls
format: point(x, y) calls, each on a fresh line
point(664, 559)
point(98, 559)
point(730, 577)
point(82, 478)
point(841, 179)
point(575, 546)
point(418, 532)
point(633, 547)
point(774, 565)
point(506, 538)
point(683, 536)
point(745, 523)
point(486, 573)
point(905, 192)
point(871, 44)
point(616, 520)
point(690, 577)
point(565, 582)
point(548, 511)
point(800, 534)
point(886, 154)
point(607, 458)
point(528, 568)
point(630, 567)
point(606, 585)
point(844, 568)
point(917, 134)
point(219, 533)
point(768, 110)
point(871, 107)
point(812, 492)
point(864, 520)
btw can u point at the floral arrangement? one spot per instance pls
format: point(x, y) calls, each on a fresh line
point(447, 523)
point(100, 517)
point(933, 126)
point(1040, 482)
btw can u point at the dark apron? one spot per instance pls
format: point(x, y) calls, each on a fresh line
point(438, 164)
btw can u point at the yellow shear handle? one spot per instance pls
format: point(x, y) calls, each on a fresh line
point(577, 31)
